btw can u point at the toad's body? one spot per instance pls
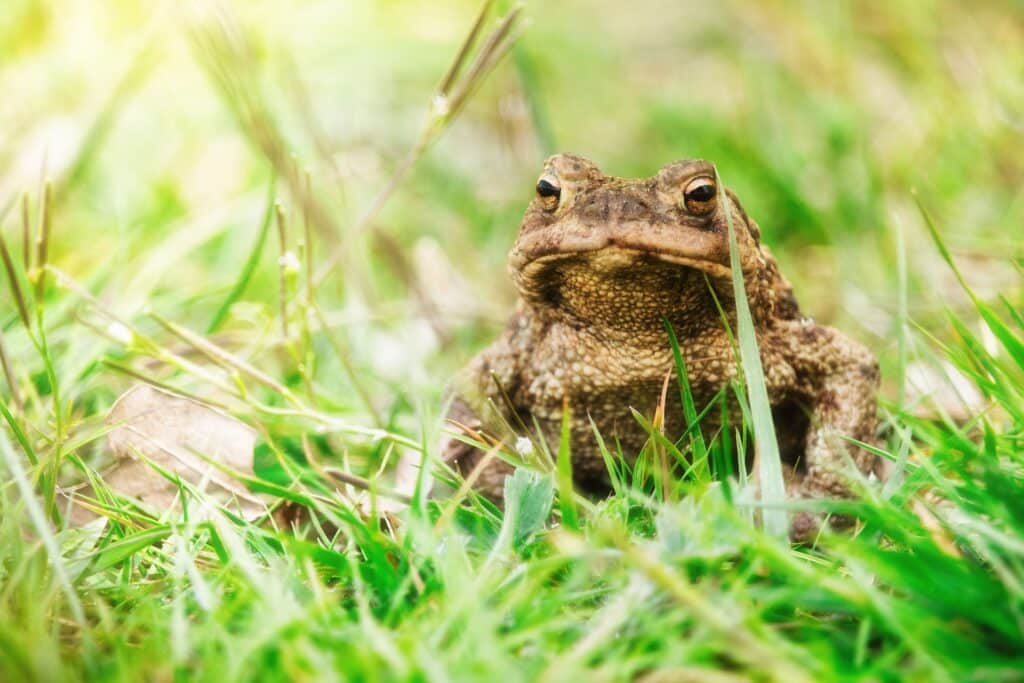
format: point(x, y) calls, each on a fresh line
point(601, 263)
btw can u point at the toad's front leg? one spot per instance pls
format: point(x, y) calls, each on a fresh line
point(486, 469)
point(838, 378)
point(480, 408)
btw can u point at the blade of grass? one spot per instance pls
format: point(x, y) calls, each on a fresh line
point(760, 651)
point(773, 491)
point(47, 537)
point(13, 282)
point(282, 267)
point(445, 105)
point(566, 498)
point(43, 240)
point(250, 263)
point(26, 232)
point(8, 370)
point(117, 551)
point(697, 443)
point(617, 476)
point(227, 53)
point(901, 316)
point(1013, 345)
point(467, 44)
point(19, 434)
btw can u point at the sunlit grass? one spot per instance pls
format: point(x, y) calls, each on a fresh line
point(317, 310)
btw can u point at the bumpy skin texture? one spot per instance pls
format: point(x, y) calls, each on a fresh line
point(600, 263)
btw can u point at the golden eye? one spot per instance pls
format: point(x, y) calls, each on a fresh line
point(549, 191)
point(700, 194)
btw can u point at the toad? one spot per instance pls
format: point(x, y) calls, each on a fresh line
point(601, 264)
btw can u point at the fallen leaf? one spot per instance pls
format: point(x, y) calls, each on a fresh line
point(184, 437)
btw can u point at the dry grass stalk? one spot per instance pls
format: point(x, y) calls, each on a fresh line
point(26, 233)
point(43, 240)
point(445, 104)
point(12, 281)
point(282, 263)
point(12, 383)
point(225, 50)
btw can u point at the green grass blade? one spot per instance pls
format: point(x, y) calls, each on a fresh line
point(1010, 341)
point(697, 444)
point(902, 315)
point(250, 263)
point(773, 491)
point(46, 534)
point(618, 469)
point(563, 471)
point(19, 434)
point(117, 551)
point(1012, 311)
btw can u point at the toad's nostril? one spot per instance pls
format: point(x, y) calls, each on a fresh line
point(633, 208)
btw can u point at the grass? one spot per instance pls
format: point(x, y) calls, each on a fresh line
point(876, 146)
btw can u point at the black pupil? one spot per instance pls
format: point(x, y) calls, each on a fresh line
point(546, 189)
point(702, 194)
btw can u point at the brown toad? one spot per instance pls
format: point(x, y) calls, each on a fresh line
point(600, 264)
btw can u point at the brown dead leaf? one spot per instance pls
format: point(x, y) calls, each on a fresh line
point(182, 436)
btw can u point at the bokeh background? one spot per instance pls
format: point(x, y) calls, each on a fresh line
point(826, 118)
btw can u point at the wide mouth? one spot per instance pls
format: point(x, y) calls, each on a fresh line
point(615, 287)
point(611, 257)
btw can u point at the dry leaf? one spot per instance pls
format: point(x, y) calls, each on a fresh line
point(182, 436)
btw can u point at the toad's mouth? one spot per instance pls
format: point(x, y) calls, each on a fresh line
point(608, 260)
point(613, 287)
point(610, 247)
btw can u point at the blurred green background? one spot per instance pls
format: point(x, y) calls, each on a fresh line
point(825, 117)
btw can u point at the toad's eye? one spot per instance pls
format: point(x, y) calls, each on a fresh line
point(549, 192)
point(699, 195)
